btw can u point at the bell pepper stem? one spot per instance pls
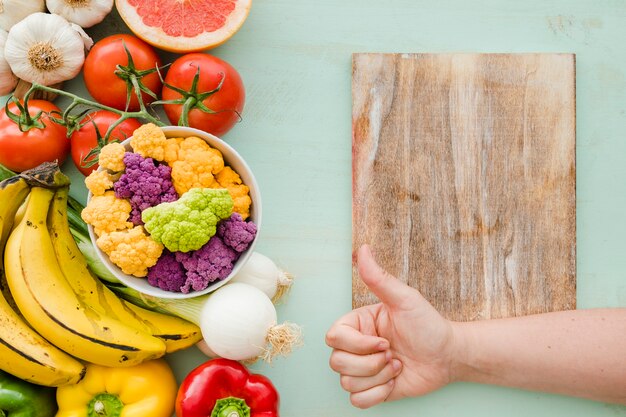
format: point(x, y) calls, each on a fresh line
point(230, 407)
point(105, 405)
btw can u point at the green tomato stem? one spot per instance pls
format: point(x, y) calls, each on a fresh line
point(187, 107)
point(143, 113)
point(76, 100)
point(112, 126)
point(137, 90)
point(24, 120)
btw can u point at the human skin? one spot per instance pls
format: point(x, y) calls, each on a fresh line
point(402, 347)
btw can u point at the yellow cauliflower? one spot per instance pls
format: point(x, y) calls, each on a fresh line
point(99, 181)
point(131, 250)
point(229, 179)
point(107, 213)
point(112, 157)
point(170, 149)
point(196, 165)
point(149, 141)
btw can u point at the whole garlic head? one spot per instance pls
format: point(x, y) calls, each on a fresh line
point(85, 13)
point(13, 11)
point(45, 49)
point(8, 80)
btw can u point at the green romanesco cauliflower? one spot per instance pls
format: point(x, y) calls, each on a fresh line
point(188, 223)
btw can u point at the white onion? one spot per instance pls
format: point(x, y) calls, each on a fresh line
point(261, 272)
point(236, 320)
point(204, 348)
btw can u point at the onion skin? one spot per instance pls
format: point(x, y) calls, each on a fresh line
point(236, 320)
point(261, 272)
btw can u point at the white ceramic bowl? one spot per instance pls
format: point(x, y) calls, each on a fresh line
point(236, 162)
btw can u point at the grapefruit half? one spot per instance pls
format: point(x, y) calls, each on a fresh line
point(184, 25)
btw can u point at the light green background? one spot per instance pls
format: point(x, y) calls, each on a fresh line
point(295, 58)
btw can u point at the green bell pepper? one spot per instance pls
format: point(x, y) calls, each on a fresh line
point(22, 399)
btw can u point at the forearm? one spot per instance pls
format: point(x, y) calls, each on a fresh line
point(579, 353)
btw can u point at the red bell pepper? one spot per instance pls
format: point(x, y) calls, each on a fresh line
point(225, 388)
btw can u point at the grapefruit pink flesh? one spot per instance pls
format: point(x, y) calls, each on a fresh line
point(184, 25)
point(185, 18)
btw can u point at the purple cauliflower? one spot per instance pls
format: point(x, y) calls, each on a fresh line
point(236, 233)
point(145, 184)
point(167, 274)
point(212, 262)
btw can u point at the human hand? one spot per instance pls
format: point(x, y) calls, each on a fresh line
point(400, 347)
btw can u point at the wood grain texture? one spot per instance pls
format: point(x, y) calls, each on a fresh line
point(464, 178)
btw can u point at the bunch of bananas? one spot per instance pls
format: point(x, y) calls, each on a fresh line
point(55, 315)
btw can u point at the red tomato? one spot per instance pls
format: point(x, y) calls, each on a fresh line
point(85, 139)
point(100, 66)
point(20, 151)
point(227, 102)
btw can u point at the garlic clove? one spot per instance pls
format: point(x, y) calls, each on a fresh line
point(87, 41)
point(13, 11)
point(45, 49)
point(84, 13)
point(8, 80)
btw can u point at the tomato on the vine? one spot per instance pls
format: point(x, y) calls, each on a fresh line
point(85, 139)
point(219, 89)
point(47, 142)
point(101, 72)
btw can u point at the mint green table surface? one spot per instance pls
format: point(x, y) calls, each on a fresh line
point(295, 59)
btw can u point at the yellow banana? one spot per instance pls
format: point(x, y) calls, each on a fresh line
point(175, 332)
point(19, 214)
point(13, 192)
point(23, 352)
point(48, 302)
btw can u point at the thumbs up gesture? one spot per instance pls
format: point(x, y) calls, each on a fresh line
point(400, 347)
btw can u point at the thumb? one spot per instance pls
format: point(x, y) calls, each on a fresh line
point(390, 290)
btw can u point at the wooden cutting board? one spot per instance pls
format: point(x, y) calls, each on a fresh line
point(464, 178)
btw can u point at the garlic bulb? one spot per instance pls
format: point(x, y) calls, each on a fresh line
point(13, 11)
point(8, 80)
point(45, 49)
point(84, 13)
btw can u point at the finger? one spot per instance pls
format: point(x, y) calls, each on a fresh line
point(362, 383)
point(372, 396)
point(390, 290)
point(344, 337)
point(347, 363)
point(362, 319)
